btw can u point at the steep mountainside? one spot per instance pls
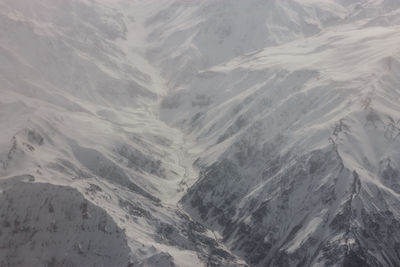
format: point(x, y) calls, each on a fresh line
point(89, 174)
point(200, 133)
point(301, 158)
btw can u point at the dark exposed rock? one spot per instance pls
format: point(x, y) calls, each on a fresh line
point(35, 138)
point(48, 228)
point(254, 239)
point(134, 210)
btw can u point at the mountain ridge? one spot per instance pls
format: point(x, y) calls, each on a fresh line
point(194, 134)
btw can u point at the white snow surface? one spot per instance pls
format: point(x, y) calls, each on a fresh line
point(113, 111)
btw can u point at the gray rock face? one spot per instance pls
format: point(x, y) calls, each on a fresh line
point(294, 218)
point(49, 225)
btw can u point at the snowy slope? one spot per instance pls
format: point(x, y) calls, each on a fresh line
point(300, 144)
point(89, 174)
point(208, 33)
point(276, 122)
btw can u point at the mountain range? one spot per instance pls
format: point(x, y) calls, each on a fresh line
point(200, 133)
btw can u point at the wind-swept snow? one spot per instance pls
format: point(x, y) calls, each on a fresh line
point(188, 133)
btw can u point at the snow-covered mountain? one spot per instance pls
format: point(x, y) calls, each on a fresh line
point(200, 133)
